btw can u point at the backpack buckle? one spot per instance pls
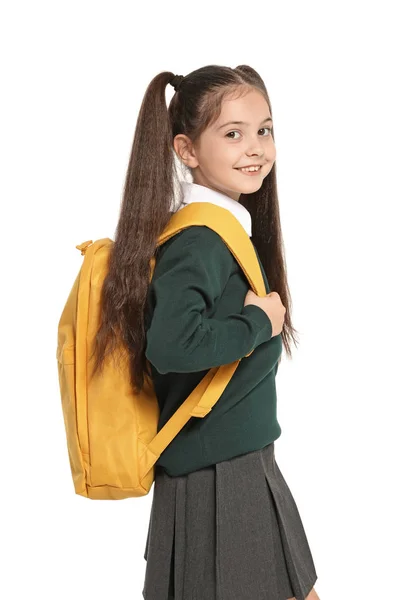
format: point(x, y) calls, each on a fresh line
point(84, 246)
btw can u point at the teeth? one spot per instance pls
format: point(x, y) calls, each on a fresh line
point(250, 169)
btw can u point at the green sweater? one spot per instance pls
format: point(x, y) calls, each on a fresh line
point(195, 320)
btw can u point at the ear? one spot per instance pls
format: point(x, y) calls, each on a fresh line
point(184, 150)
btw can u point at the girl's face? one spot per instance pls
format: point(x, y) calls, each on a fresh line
point(224, 147)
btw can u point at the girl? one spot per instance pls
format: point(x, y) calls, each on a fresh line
point(224, 524)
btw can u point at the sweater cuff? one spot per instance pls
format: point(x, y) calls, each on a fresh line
point(262, 321)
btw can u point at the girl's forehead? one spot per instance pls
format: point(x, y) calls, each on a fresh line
point(249, 108)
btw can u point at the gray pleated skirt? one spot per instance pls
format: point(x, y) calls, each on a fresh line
point(231, 531)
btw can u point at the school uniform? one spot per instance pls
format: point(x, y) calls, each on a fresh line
point(224, 524)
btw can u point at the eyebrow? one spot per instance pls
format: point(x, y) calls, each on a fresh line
point(243, 122)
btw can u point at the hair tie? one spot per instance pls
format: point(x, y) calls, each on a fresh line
point(176, 81)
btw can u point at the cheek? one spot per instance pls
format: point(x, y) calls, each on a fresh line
point(271, 151)
point(220, 158)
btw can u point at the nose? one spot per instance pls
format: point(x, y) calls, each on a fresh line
point(255, 148)
point(258, 152)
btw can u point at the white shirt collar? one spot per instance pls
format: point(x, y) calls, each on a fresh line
point(193, 192)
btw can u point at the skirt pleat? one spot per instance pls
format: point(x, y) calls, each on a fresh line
point(230, 531)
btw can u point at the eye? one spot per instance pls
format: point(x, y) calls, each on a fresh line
point(227, 134)
point(268, 129)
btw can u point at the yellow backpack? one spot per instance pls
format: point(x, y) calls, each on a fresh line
point(112, 438)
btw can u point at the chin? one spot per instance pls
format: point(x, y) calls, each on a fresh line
point(252, 186)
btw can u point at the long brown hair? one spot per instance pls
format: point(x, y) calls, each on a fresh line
point(149, 199)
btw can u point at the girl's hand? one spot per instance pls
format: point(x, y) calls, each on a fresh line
point(272, 306)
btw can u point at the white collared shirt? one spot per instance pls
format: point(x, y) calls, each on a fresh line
point(193, 192)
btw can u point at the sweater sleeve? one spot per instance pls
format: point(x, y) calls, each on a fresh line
point(189, 278)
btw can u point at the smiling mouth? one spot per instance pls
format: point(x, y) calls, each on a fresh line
point(251, 169)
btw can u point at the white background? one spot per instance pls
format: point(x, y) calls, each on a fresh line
point(73, 77)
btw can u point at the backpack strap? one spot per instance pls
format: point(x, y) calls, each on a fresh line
point(223, 222)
